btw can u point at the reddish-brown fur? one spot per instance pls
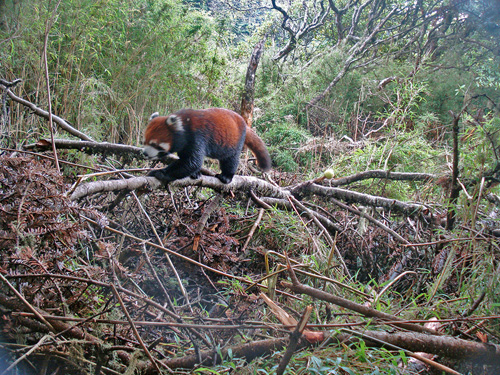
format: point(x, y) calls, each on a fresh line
point(217, 133)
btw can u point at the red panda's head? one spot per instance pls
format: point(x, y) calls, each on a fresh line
point(159, 135)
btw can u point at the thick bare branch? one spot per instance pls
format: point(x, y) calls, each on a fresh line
point(298, 29)
point(446, 346)
point(87, 146)
point(248, 351)
point(409, 209)
point(239, 183)
point(247, 99)
point(356, 51)
point(379, 173)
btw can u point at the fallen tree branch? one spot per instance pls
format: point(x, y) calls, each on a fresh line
point(243, 183)
point(239, 183)
point(86, 146)
point(380, 173)
point(27, 304)
point(408, 209)
point(247, 184)
point(134, 329)
point(58, 326)
point(372, 220)
point(42, 113)
point(247, 351)
point(353, 306)
point(26, 355)
point(446, 346)
point(294, 340)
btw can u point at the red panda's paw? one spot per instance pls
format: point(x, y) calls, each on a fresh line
point(160, 175)
point(195, 175)
point(223, 178)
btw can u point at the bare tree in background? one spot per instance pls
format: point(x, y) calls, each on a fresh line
point(368, 31)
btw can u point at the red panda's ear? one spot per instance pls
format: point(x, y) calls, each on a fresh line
point(156, 114)
point(175, 123)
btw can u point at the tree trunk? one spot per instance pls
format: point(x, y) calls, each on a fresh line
point(248, 93)
point(455, 188)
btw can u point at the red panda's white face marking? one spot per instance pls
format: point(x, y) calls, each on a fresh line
point(154, 151)
point(175, 122)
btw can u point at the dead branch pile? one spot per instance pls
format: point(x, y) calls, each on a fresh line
point(130, 282)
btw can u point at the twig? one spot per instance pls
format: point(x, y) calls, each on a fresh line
point(57, 326)
point(372, 220)
point(69, 357)
point(157, 278)
point(375, 301)
point(409, 209)
point(31, 308)
point(172, 267)
point(58, 120)
point(269, 203)
point(4, 114)
point(48, 26)
point(320, 277)
point(172, 252)
point(88, 146)
point(134, 329)
point(455, 188)
point(41, 156)
point(476, 303)
point(214, 204)
point(345, 303)
point(251, 325)
point(304, 224)
point(327, 235)
point(294, 340)
point(35, 347)
point(252, 230)
point(8, 84)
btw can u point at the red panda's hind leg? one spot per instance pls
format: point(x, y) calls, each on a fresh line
point(228, 168)
point(224, 179)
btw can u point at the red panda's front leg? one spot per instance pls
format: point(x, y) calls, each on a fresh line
point(184, 167)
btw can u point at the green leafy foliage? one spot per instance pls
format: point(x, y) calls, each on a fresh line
point(403, 152)
point(113, 63)
point(480, 147)
point(284, 139)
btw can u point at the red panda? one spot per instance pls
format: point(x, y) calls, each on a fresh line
point(194, 134)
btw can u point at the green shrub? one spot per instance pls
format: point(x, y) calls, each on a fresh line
point(283, 140)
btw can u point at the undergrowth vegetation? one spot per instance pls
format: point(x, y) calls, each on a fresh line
point(184, 259)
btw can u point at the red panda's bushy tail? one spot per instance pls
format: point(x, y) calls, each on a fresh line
point(258, 148)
